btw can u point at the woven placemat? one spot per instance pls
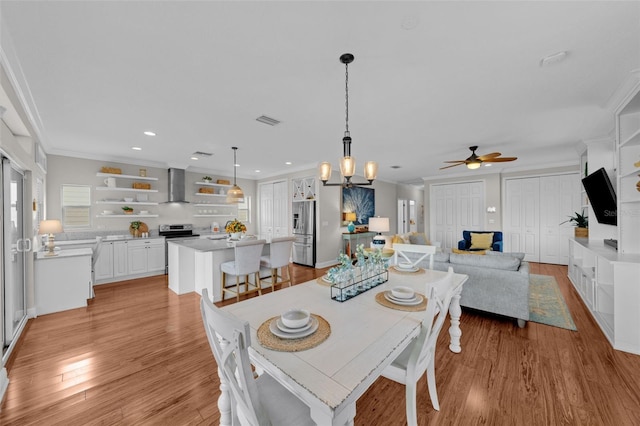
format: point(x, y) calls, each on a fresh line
point(396, 270)
point(273, 342)
point(414, 308)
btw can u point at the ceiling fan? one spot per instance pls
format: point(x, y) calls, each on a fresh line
point(474, 161)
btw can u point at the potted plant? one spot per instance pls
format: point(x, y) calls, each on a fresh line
point(135, 225)
point(235, 228)
point(207, 179)
point(127, 210)
point(581, 223)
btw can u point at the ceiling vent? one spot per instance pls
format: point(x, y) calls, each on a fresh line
point(202, 154)
point(268, 120)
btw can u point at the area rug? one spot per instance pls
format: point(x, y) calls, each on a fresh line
point(546, 304)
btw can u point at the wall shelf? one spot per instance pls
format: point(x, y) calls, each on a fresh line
point(130, 216)
point(106, 188)
point(100, 174)
point(219, 185)
point(133, 203)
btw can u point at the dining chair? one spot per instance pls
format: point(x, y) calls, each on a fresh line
point(419, 357)
point(278, 259)
point(257, 400)
point(95, 254)
point(246, 262)
point(420, 253)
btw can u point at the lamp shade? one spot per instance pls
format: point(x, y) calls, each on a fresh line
point(52, 226)
point(379, 224)
point(350, 217)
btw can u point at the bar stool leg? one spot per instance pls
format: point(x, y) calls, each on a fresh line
point(224, 282)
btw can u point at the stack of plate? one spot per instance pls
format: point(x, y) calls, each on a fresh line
point(294, 324)
point(403, 296)
point(406, 267)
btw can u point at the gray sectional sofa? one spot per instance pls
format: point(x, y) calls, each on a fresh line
point(498, 282)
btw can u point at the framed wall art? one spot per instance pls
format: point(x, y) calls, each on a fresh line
point(360, 201)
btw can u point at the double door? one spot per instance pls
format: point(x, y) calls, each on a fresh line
point(13, 253)
point(456, 208)
point(535, 208)
point(274, 210)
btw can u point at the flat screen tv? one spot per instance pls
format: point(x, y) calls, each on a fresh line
point(602, 196)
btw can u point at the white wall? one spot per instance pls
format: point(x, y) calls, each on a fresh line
point(69, 170)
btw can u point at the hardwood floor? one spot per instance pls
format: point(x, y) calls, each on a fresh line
point(138, 355)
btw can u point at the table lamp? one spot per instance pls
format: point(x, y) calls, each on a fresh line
point(379, 225)
point(350, 216)
point(50, 227)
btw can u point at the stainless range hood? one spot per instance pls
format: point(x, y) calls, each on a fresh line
point(176, 186)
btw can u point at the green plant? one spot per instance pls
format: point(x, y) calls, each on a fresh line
point(209, 178)
point(580, 220)
point(235, 226)
point(136, 224)
point(127, 208)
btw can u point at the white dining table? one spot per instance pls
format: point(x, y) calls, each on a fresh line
point(365, 338)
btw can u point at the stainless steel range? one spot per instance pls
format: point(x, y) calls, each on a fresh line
point(175, 233)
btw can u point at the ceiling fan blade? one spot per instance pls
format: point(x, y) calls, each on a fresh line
point(453, 165)
point(455, 161)
point(500, 160)
point(488, 156)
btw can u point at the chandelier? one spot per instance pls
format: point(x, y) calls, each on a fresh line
point(235, 194)
point(347, 162)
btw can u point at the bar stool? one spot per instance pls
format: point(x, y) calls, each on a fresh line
point(247, 261)
point(278, 258)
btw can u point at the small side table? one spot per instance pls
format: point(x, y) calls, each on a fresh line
point(351, 240)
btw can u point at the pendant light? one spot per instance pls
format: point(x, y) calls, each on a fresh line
point(235, 194)
point(347, 162)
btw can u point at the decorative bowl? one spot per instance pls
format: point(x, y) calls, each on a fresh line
point(405, 265)
point(401, 292)
point(295, 318)
point(128, 199)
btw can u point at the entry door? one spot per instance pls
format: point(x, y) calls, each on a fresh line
point(14, 249)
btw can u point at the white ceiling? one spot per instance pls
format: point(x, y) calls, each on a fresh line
point(429, 80)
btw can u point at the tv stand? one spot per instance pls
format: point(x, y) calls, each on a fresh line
point(611, 242)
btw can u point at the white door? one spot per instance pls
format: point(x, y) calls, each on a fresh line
point(559, 198)
point(104, 263)
point(266, 210)
point(120, 259)
point(456, 208)
point(522, 217)
point(280, 209)
point(137, 259)
point(155, 256)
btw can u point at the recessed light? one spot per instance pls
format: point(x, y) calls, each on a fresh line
point(194, 158)
point(288, 163)
point(396, 167)
point(488, 165)
point(136, 148)
point(149, 133)
point(257, 171)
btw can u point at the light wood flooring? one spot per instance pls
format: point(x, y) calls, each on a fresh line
point(138, 355)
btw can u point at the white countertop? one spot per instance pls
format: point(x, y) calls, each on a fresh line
point(203, 244)
point(42, 255)
point(608, 252)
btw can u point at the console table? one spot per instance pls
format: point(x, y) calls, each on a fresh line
point(351, 240)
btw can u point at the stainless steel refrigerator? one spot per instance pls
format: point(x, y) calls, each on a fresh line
point(304, 230)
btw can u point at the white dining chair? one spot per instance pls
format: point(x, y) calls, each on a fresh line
point(95, 254)
point(420, 253)
point(258, 400)
point(419, 357)
point(278, 259)
point(246, 262)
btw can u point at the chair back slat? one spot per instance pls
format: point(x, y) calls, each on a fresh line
point(401, 251)
point(229, 338)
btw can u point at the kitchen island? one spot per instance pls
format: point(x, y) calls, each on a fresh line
point(195, 264)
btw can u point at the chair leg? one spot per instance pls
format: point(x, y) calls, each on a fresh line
point(412, 417)
point(258, 283)
point(237, 288)
point(288, 268)
point(274, 278)
point(224, 281)
point(431, 384)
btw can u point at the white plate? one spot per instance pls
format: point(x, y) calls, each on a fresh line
point(414, 269)
point(392, 298)
point(290, 330)
point(405, 265)
point(273, 327)
point(417, 300)
point(326, 279)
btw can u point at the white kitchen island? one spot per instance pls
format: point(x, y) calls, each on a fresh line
point(195, 264)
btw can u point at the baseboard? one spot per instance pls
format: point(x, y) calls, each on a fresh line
point(4, 383)
point(321, 265)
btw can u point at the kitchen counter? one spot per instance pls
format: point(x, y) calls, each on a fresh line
point(195, 264)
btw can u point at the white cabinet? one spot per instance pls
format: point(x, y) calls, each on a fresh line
point(103, 269)
point(62, 282)
point(303, 189)
point(274, 214)
point(608, 284)
point(120, 259)
point(114, 203)
point(146, 255)
point(628, 176)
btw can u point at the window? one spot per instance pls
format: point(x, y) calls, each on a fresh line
point(76, 206)
point(244, 210)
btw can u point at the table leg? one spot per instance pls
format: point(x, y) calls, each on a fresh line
point(321, 416)
point(455, 311)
